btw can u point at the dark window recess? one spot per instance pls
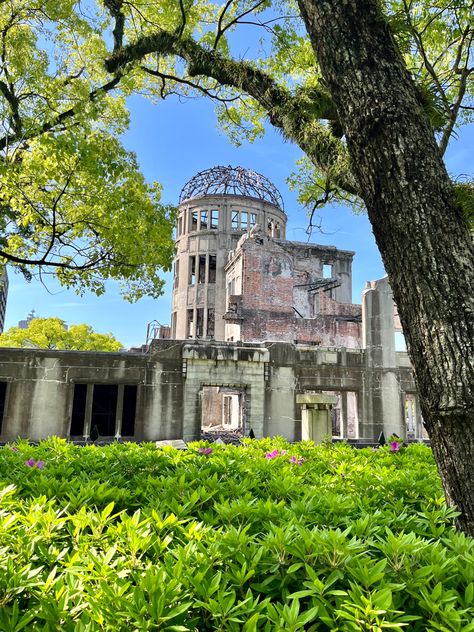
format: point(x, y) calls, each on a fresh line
point(78, 410)
point(190, 323)
point(192, 270)
point(104, 408)
point(210, 323)
point(212, 268)
point(194, 220)
point(129, 408)
point(176, 274)
point(215, 220)
point(199, 322)
point(173, 325)
point(3, 397)
point(202, 269)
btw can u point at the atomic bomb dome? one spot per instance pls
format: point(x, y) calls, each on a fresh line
point(231, 181)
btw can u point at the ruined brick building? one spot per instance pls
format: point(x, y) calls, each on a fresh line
point(237, 278)
point(257, 322)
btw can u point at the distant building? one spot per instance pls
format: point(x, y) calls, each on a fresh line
point(23, 324)
point(3, 296)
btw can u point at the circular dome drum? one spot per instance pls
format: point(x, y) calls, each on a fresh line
point(231, 181)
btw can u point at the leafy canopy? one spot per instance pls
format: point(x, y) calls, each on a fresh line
point(207, 48)
point(51, 333)
point(73, 200)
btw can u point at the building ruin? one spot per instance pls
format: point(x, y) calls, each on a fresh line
point(257, 322)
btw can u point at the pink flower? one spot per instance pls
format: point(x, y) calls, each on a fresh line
point(205, 451)
point(13, 448)
point(297, 461)
point(32, 463)
point(394, 446)
point(271, 455)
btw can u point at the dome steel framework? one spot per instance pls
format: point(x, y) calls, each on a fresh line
point(231, 181)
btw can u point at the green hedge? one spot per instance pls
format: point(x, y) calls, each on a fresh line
point(128, 537)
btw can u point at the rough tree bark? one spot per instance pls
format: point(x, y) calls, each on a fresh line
point(419, 229)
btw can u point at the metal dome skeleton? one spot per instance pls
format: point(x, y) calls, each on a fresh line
point(231, 181)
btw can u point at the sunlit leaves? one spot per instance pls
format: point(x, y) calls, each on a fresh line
point(51, 333)
point(92, 540)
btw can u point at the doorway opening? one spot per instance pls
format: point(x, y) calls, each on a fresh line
point(222, 411)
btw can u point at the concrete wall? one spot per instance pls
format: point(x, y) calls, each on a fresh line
point(171, 378)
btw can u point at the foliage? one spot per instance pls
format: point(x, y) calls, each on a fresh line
point(194, 51)
point(267, 536)
point(51, 333)
point(72, 199)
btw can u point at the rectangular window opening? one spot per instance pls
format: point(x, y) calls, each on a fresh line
point(194, 220)
point(199, 322)
point(78, 414)
point(235, 220)
point(253, 219)
point(204, 216)
point(244, 221)
point(202, 269)
point(210, 323)
point(190, 324)
point(129, 410)
point(3, 398)
point(192, 270)
point(327, 271)
point(176, 274)
point(212, 268)
point(104, 408)
point(214, 219)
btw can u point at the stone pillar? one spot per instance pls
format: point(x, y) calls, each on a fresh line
point(384, 408)
point(316, 416)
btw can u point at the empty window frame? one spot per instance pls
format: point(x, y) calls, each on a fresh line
point(212, 268)
point(201, 268)
point(244, 220)
point(194, 220)
point(190, 324)
point(214, 219)
point(180, 225)
point(176, 274)
point(3, 399)
point(192, 270)
point(204, 220)
point(210, 323)
point(173, 325)
point(235, 220)
point(327, 271)
point(199, 322)
point(110, 409)
point(253, 219)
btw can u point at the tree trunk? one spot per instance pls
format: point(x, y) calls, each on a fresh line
point(419, 229)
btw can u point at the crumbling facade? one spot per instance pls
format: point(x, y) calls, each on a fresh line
point(168, 392)
point(290, 292)
point(260, 327)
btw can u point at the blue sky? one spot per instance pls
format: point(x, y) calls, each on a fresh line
point(173, 141)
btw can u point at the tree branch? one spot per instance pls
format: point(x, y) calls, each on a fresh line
point(298, 118)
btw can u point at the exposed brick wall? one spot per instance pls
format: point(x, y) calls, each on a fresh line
point(326, 331)
point(269, 296)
